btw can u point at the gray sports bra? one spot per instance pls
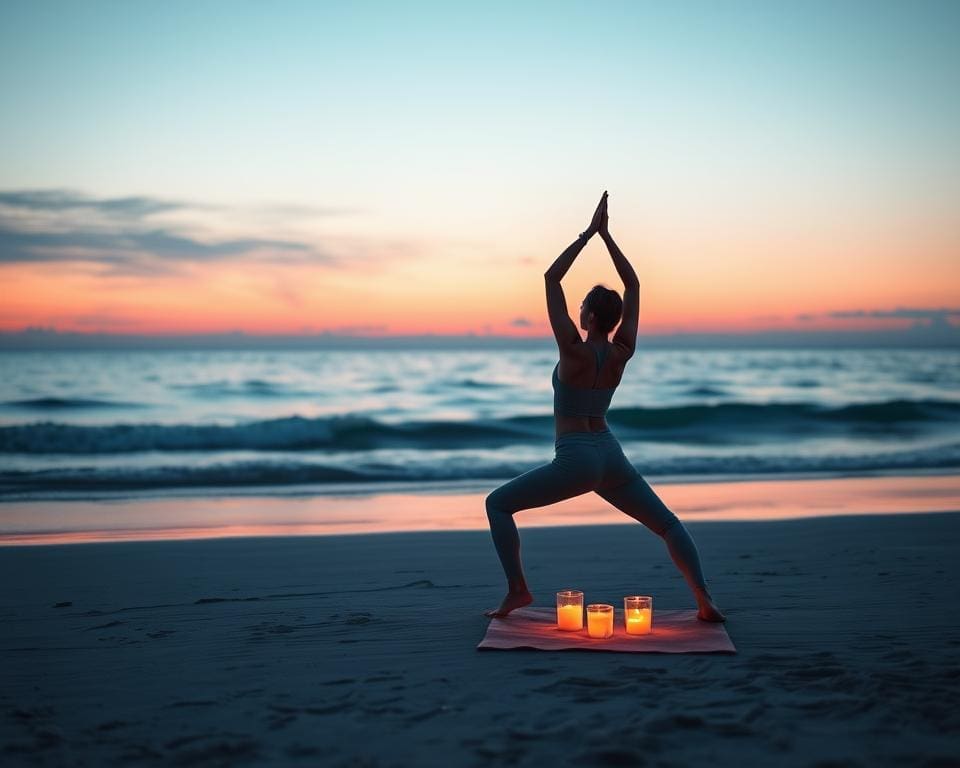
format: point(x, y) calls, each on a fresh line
point(579, 401)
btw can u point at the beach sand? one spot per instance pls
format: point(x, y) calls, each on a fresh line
point(360, 650)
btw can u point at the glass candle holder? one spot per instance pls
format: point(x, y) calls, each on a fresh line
point(570, 610)
point(638, 614)
point(600, 620)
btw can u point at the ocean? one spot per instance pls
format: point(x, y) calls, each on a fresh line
point(83, 424)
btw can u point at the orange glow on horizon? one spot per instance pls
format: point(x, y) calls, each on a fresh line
point(735, 289)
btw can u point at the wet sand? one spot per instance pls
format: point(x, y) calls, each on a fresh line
point(384, 509)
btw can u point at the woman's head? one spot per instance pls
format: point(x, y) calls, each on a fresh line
point(606, 307)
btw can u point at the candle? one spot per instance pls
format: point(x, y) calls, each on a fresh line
point(638, 621)
point(600, 620)
point(638, 614)
point(570, 610)
point(570, 617)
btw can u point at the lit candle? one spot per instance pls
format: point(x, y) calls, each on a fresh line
point(600, 620)
point(638, 613)
point(570, 610)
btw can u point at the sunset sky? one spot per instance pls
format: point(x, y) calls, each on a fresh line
point(397, 168)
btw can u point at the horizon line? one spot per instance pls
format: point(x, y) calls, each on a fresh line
point(38, 338)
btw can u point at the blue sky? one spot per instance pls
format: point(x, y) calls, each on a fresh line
point(485, 132)
point(94, 91)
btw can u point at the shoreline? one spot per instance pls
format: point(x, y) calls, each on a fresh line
point(53, 522)
point(425, 487)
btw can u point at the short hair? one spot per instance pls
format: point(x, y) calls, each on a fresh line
point(606, 305)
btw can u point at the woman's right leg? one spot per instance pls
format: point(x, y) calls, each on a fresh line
point(574, 471)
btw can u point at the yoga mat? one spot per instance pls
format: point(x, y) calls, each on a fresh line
point(674, 631)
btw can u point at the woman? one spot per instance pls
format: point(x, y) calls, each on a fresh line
point(588, 456)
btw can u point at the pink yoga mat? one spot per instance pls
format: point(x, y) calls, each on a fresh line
point(674, 631)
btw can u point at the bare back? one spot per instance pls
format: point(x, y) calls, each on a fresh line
point(578, 368)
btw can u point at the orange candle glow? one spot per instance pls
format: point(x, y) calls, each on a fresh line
point(638, 614)
point(570, 610)
point(600, 620)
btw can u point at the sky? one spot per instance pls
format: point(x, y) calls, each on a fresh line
point(404, 168)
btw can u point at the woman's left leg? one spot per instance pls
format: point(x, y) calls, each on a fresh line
point(635, 497)
point(638, 500)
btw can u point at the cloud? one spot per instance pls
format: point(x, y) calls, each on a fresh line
point(136, 206)
point(939, 316)
point(129, 236)
point(520, 322)
point(922, 317)
point(101, 320)
point(46, 246)
point(914, 314)
point(355, 330)
point(64, 200)
point(144, 237)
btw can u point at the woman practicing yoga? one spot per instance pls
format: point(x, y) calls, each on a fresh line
point(588, 456)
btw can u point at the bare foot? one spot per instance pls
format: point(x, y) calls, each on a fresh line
point(512, 601)
point(708, 610)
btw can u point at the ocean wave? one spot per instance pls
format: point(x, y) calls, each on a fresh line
point(67, 403)
point(776, 416)
point(289, 434)
point(703, 424)
point(249, 388)
point(479, 384)
point(287, 473)
point(705, 391)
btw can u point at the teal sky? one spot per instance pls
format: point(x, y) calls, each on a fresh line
point(320, 100)
point(456, 128)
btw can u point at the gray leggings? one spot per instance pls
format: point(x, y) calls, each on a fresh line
point(587, 461)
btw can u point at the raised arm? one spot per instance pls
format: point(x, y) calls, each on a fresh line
point(626, 335)
point(564, 329)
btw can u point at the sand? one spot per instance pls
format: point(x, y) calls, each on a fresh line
point(360, 650)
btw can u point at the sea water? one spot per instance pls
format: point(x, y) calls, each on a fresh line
point(90, 422)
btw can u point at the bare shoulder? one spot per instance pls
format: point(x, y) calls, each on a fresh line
point(621, 350)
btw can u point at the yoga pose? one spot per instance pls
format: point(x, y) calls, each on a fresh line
point(588, 456)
